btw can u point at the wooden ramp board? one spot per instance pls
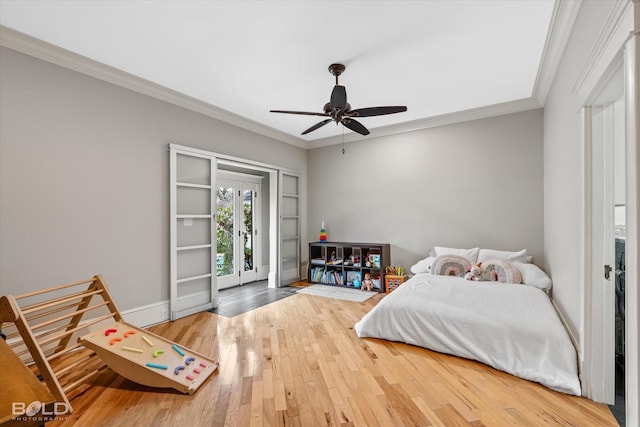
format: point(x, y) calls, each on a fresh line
point(149, 359)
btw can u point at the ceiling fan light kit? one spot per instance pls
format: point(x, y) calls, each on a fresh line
point(339, 110)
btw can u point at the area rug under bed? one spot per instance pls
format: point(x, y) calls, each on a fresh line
point(347, 294)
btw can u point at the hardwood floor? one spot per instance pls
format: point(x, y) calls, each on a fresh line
point(298, 362)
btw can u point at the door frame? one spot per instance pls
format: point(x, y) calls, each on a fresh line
point(274, 195)
point(618, 41)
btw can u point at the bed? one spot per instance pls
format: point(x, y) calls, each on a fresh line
point(511, 327)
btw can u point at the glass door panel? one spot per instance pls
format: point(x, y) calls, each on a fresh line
point(249, 214)
point(247, 205)
point(225, 233)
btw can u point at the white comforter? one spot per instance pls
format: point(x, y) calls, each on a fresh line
point(513, 328)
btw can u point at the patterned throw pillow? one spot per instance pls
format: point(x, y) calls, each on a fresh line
point(500, 270)
point(450, 265)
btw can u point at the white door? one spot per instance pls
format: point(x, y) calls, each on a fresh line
point(601, 321)
point(238, 234)
point(192, 232)
point(289, 243)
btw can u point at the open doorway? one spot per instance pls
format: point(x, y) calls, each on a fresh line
point(265, 199)
point(241, 255)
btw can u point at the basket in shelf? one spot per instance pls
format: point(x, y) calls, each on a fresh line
point(392, 282)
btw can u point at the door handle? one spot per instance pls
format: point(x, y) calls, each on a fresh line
point(607, 271)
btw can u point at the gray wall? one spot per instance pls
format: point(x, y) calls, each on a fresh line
point(562, 167)
point(84, 179)
point(470, 184)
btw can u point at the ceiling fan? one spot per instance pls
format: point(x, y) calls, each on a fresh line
point(339, 110)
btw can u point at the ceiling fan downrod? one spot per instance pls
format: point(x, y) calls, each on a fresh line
point(336, 70)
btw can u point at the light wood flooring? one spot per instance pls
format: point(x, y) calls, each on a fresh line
point(298, 362)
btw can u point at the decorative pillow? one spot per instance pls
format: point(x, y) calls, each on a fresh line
point(450, 265)
point(499, 270)
point(423, 266)
point(469, 254)
point(490, 254)
point(533, 275)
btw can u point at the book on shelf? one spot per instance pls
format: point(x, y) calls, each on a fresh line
point(317, 274)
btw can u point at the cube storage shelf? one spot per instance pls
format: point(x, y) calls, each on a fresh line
point(345, 264)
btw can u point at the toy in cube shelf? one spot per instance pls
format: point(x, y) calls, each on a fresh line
point(353, 279)
point(367, 283)
point(323, 233)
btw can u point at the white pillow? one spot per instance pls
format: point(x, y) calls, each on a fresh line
point(486, 254)
point(423, 266)
point(533, 275)
point(470, 254)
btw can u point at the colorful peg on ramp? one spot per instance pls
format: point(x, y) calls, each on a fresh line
point(157, 366)
point(178, 349)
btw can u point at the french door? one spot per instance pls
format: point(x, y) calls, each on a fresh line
point(237, 231)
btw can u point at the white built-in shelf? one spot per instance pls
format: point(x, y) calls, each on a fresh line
point(189, 279)
point(290, 217)
point(291, 195)
point(190, 185)
point(190, 248)
point(194, 216)
point(290, 238)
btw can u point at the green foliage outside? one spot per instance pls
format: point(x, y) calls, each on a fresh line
point(225, 233)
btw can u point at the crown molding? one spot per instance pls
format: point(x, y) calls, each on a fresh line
point(562, 20)
point(615, 31)
point(32, 46)
point(501, 109)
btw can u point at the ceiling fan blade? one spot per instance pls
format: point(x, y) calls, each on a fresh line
point(316, 126)
point(355, 126)
point(376, 111)
point(306, 113)
point(339, 98)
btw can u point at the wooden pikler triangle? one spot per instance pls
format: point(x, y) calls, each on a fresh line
point(40, 327)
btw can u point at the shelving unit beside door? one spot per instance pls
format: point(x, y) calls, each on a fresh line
point(290, 242)
point(192, 233)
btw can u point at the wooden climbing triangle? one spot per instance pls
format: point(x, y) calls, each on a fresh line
point(41, 327)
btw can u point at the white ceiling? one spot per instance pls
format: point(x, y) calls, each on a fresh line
point(247, 57)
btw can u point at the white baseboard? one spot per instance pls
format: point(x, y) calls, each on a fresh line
point(147, 315)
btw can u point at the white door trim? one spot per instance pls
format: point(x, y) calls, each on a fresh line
point(632, 251)
point(622, 35)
